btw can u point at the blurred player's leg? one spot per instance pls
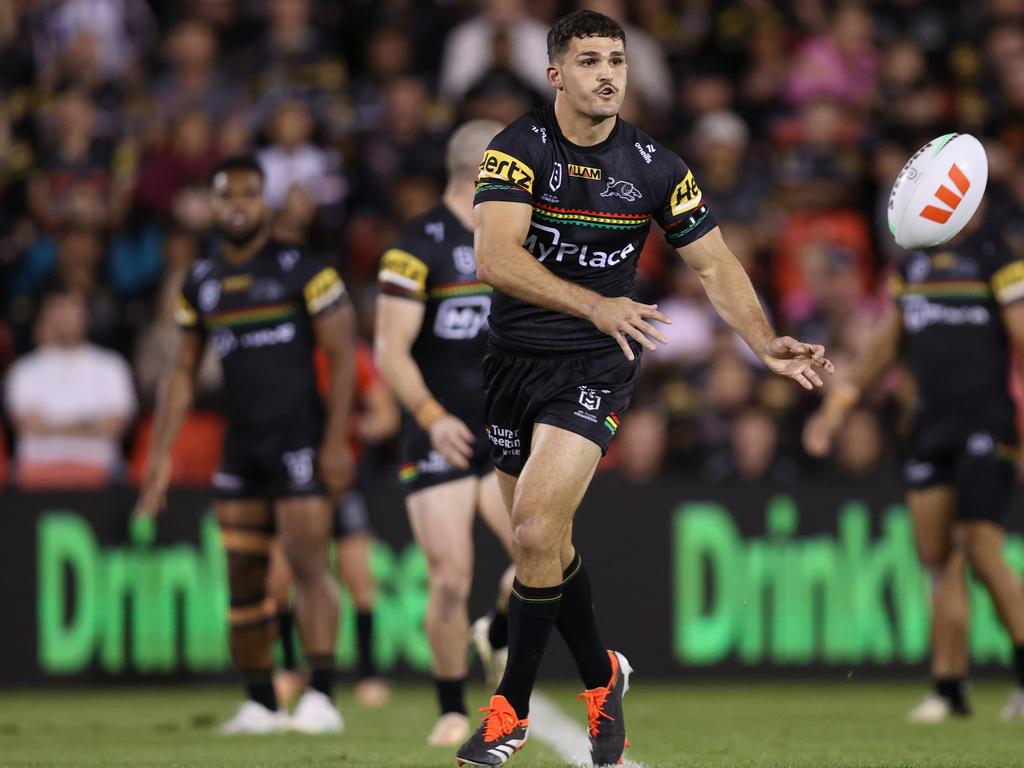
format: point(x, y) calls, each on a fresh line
point(442, 521)
point(288, 680)
point(247, 531)
point(304, 530)
point(985, 481)
point(490, 632)
point(354, 572)
point(933, 511)
point(985, 551)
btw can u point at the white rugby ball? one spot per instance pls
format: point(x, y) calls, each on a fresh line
point(938, 191)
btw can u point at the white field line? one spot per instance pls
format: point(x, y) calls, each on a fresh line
point(563, 734)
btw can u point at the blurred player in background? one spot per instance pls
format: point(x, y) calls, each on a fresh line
point(374, 420)
point(264, 307)
point(956, 312)
point(431, 335)
point(564, 201)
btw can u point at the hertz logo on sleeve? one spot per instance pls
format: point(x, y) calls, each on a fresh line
point(584, 172)
point(325, 288)
point(498, 165)
point(686, 196)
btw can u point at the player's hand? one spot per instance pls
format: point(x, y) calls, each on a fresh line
point(337, 466)
point(153, 494)
point(622, 319)
point(452, 439)
point(820, 431)
point(796, 360)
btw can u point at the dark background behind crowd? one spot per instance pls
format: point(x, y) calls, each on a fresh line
point(796, 116)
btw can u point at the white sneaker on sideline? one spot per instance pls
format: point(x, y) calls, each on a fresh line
point(253, 718)
point(1014, 709)
point(492, 659)
point(315, 713)
point(932, 709)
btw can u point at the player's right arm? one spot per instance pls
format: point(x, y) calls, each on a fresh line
point(503, 262)
point(880, 355)
point(400, 311)
point(174, 404)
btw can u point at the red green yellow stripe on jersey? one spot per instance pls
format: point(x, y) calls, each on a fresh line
point(949, 289)
point(447, 290)
point(585, 218)
point(611, 422)
point(408, 472)
point(263, 313)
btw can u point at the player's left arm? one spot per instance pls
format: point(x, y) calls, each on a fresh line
point(334, 328)
point(730, 291)
point(1008, 287)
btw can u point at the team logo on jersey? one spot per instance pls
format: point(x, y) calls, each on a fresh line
point(436, 230)
point(209, 295)
point(918, 268)
point(236, 283)
point(299, 465)
point(499, 165)
point(624, 189)
point(589, 398)
point(556, 177)
point(465, 259)
point(462, 317)
point(645, 152)
point(224, 342)
point(584, 172)
point(686, 196)
point(288, 259)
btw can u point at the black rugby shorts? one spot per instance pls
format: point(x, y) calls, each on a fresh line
point(586, 394)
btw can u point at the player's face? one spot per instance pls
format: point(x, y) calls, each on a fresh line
point(238, 205)
point(592, 75)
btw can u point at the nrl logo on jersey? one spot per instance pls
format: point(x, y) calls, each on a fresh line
point(584, 172)
point(624, 189)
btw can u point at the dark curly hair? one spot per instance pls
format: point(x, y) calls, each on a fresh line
point(581, 24)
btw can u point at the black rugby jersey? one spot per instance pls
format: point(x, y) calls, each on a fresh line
point(956, 343)
point(592, 210)
point(433, 262)
point(259, 319)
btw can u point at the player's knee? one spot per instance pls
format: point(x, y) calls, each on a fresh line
point(450, 584)
point(533, 539)
point(307, 562)
point(934, 556)
point(247, 577)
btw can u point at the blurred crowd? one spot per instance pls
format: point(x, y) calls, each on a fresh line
point(795, 115)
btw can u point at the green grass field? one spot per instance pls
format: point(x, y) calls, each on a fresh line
point(701, 725)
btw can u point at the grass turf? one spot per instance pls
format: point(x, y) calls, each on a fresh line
point(701, 726)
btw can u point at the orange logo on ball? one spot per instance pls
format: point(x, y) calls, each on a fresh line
point(946, 195)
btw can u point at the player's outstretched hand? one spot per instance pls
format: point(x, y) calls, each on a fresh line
point(452, 439)
point(796, 360)
point(622, 317)
point(819, 433)
point(337, 466)
point(153, 494)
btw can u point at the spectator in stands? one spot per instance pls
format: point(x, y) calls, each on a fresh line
point(641, 443)
point(734, 184)
point(752, 454)
point(70, 402)
point(503, 36)
point(189, 154)
point(194, 79)
point(293, 159)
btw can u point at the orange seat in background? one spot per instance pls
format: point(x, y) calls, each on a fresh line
point(195, 454)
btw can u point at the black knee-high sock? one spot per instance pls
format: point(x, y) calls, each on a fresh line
point(321, 675)
point(451, 695)
point(578, 627)
point(367, 667)
point(953, 690)
point(1018, 663)
point(286, 633)
point(497, 632)
point(260, 688)
point(531, 617)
